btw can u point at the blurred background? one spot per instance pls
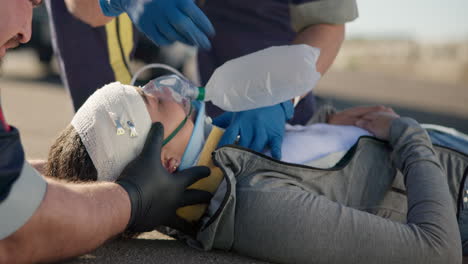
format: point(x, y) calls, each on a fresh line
point(411, 55)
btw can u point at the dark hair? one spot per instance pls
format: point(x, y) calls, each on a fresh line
point(68, 158)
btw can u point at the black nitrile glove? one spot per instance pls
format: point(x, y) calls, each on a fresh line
point(154, 193)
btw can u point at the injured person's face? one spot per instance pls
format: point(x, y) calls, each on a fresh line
point(171, 114)
point(112, 126)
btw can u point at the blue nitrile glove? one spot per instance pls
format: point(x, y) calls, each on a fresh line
point(257, 128)
point(165, 21)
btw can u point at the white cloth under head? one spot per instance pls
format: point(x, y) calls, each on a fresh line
point(97, 122)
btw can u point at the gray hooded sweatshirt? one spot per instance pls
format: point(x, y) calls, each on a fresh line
point(385, 202)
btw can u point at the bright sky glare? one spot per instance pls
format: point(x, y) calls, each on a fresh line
point(427, 20)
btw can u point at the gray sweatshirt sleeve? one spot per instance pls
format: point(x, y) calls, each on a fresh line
point(296, 226)
point(431, 218)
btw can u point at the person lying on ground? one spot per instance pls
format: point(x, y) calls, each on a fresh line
point(391, 197)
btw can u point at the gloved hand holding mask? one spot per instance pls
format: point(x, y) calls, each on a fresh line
point(165, 21)
point(258, 128)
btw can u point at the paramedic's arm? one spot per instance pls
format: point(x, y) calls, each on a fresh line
point(328, 38)
point(75, 218)
point(88, 11)
point(321, 24)
point(71, 220)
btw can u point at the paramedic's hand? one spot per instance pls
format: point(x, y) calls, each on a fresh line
point(154, 193)
point(257, 128)
point(378, 123)
point(165, 21)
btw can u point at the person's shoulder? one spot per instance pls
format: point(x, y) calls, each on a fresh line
point(305, 13)
point(11, 160)
point(22, 188)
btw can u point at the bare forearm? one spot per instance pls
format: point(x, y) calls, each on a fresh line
point(328, 38)
point(88, 11)
point(72, 220)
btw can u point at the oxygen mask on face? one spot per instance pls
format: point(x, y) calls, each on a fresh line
point(163, 89)
point(173, 87)
point(167, 90)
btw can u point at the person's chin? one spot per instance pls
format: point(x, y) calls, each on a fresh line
point(171, 164)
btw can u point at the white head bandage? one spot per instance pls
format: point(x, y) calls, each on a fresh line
point(113, 124)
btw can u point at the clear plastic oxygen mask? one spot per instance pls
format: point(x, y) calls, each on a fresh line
point(162, 89)
point(167, 88)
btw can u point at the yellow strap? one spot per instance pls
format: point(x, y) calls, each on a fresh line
point(116, 47)
point(210, 183)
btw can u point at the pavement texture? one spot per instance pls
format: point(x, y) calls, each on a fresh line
point(41, 108)
point(157, 251)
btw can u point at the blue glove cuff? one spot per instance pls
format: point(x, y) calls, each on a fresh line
point(288, 108)
point(110, 9)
